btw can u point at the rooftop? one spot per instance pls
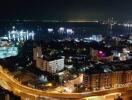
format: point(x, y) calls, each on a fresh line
point(110, 67)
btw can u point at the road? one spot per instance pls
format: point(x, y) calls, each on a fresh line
point(32, 94)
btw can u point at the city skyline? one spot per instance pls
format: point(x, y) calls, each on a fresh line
point(65, 50)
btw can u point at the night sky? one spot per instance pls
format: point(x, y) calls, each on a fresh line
point(66, 9)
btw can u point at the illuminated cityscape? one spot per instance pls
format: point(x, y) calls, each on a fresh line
point(66, 50)
point(16, 35)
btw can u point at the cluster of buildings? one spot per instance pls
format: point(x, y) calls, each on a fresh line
point(112, 50)
point(51, 65)
point(102, 55)
point(8, 52)
point(99, 77)
point(62, 30)
point(16, 35)
point(97, 38)
point(104, 64)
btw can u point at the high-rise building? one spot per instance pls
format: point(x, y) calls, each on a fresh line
point(117, 78)
point(87, 82)
point(128, 76)
point(50, 65)
point(95, 82)
point(54, 66)
point(93, 53)
point(39, 63)
point(37, 53)
point(107, 80)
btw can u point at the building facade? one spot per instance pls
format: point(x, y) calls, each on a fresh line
point(51, 66)
point(37, 53)
point(103, 81)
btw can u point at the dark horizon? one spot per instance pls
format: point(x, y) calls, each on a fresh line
point(65, 10)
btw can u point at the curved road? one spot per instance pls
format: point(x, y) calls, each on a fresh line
point(31, 93)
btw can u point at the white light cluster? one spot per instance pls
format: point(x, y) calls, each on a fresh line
point(62, 30)
point(70, 31)
point(50, 30)
point(22, 35)
point(8, 51)
point(127, 25)
point(97, 38)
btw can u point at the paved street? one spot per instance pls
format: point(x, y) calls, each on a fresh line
point(32, 94)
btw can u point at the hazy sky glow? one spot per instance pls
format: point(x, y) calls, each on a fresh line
point(66, 9)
